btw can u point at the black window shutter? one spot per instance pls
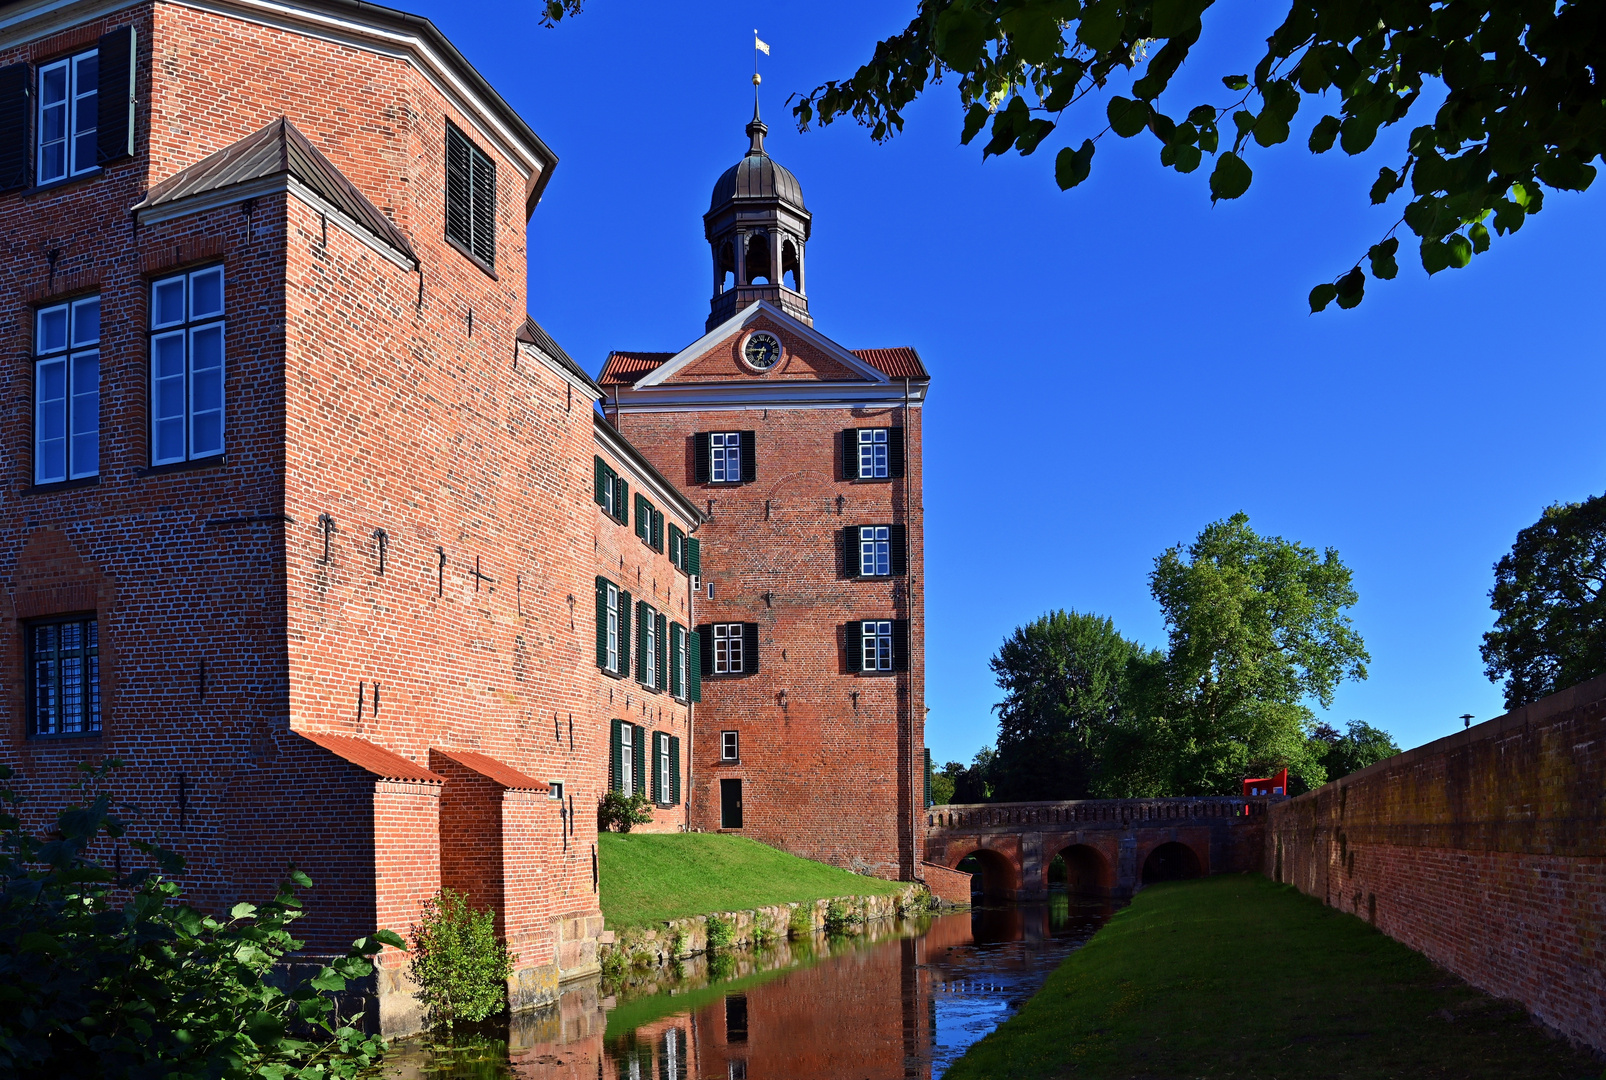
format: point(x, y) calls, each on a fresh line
point(598, 493)
point(484, 208)
point(694, 556)
point(674, 770)
point(621, 501)
point(749, 457)
point(699, 457)
point(898, 540)
point(854, 633)
point(16, 109)
point(850, 454)
point(900, 645)
point(602, 622)
point(615, 756)
point(659, 653)
point(624, 633)
point(114, 97)
point(895, 452)
point(705, 649)
point(851, 557)
point(749, 648)
point(694, 667)
point(459, 197)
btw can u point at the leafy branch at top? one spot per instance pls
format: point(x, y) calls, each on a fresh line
point(1525, 106)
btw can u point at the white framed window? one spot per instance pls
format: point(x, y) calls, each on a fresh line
point(725, 457)
point(627, 762)
point(682, 665)
point(729, 746)
point(66, 391)
point(875, 550)
point(664, 773)
point(727, 648)
point(877, 644)
point(613, 628)
point(187, 366)
point(69, 109)
point(873, 454)
point(557, 789)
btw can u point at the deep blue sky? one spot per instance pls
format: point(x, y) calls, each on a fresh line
point(1112, 367)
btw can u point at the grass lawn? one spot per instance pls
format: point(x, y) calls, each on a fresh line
point(1234, 976)
point(650, 877)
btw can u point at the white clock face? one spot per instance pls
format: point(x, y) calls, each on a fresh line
point(761, 351)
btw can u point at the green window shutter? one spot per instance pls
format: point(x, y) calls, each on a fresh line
point(642, 615)
point(854, 633)
point(598, 479)
point(641, 530)
point(616, 755)
point(657, 780)
point(674, 769)
point(641, 748)
point(660, 647)
point(658, 530)
point(624, 633)
point(602, 622)
point(694, 556)
point(677, 647)
point(694, 668)
point(621, 502)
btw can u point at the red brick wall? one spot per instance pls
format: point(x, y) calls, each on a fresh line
point(1486, 851)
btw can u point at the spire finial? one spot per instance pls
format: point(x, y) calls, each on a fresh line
point(755, 128)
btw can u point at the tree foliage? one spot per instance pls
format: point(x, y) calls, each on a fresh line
point(1550, 632)
point(460, 965)
point(1065, 678)
point(1521, 83)
point(105, 974)
point(1359, 746)
point(618, 812)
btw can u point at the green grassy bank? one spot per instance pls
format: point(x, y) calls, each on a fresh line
point(1234, 976)
point(650, 877)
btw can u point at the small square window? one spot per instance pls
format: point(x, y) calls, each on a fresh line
point(729, 746)
point(557, 789)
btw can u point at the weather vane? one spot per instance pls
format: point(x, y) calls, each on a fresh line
point(759, 46)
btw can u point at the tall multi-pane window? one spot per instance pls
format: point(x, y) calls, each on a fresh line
point(877, 644)
point(875, 550)
point(69, 108)
point(663, 768)
point(627, 770)
point(64, 677)
point(187, 366)
point(613, 628)
point(873, 453)
point(727, 648)
point(725, 457)
point(66, 424)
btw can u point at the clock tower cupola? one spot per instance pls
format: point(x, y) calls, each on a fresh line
point(757, 228)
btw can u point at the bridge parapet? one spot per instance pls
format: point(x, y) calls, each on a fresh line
point(1118, 813)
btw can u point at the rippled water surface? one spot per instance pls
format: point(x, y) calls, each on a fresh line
point(905, 999)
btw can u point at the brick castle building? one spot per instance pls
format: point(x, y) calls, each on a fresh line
point(298, 495)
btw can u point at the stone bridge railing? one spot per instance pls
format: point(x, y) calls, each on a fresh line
point(1116, 812)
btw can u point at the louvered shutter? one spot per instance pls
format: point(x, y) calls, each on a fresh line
point(602, 623)
point(638, 772)
point(114, 97)
point(694, 668)
point(658, 530)
point(659, 651)
point(749, 648)
point(16, 108)
point(852, 561)
point(615, 756)
point(656, 777)
point(850, 454)
point(749, 457)
point(459, 194)
point(484, 207)
point(928, 778)
point(643, 518)
point(694, 556)
point(674, 769)
point(642, 615)
point(677, 642)
point(624, 633)
point(854, 633)
point(699, 457)
point(900, 645)
point(621, 501)
point(895, 452)
point(705, 648)
point(600, 478)
point(898, 546)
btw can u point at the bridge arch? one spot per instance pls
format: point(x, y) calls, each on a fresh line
point(995, 875)
point(1088, 871)
point(1173, 861)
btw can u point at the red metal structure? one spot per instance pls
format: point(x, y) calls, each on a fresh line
point(1276, 784)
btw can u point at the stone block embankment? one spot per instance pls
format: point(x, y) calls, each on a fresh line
point(1485, 851)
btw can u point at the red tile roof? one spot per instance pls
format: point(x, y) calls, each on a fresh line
point(624, 368)
point(370, 758)
point(899, 363)
point(494, 770)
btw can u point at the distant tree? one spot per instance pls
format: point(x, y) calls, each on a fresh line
point(1256, 625)
point(1550, 632)
point(1064, 679)
point(973, 783)
point(942, 783)
point(1518, 86)
point(1359, 746)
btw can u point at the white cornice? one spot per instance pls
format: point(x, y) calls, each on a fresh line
point(793, 394)
point(648, 478)
point(700, 347)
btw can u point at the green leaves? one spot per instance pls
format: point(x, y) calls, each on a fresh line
point(1071, 167)
point(1384, 266)
point(1387, 183)
point(1323, 134)
point(1101, 25)
point(1321, 296)
point(1230, 177)
point(1235, 82)
point(961, 36)
point(1127, 117)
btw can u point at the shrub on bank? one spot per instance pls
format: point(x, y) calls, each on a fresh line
point(460, 965)
point(618, 812)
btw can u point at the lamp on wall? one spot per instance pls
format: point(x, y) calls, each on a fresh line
point(780, 699)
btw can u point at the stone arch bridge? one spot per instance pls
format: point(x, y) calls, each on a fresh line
point(1111, 847)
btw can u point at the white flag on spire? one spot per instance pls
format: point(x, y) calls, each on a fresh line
point(760, 44)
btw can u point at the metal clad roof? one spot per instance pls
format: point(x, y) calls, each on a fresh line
point(627, 367)
point(757, 176)
point(494, 770)
point(370, 758)
point(899, 363)
point(279, 148)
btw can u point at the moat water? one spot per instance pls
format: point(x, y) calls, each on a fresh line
point(904, 999)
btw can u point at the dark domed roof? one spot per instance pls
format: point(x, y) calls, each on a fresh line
point(757, 176)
